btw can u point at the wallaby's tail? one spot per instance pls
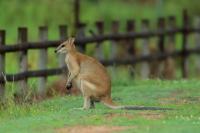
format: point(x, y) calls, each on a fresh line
point(109, 103)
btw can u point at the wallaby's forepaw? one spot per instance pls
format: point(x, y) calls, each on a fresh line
point(69, 86)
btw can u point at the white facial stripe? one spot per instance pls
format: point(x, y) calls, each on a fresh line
point(62, 50)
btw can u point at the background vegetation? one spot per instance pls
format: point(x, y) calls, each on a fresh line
point(34, 13)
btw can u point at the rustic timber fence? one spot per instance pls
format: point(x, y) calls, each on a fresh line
point(130, 36)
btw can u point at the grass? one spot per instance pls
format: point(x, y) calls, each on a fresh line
point(46, 116)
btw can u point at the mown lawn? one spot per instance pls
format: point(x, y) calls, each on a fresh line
point(51, 115)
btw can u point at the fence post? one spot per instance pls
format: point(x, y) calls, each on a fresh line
point(114, 30)
point(131, 52)
point(169, 63)
point(81, 34)
point(145, 70)
point(161, 47)
point(2, 64)
point(99, 47)
point(171, 26)
point(43, 36)
point(23, 60)
point(184, 63)
point(197, 41)
point(63, 37)
point(76, 14)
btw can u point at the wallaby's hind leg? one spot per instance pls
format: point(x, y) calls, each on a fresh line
point(87, 100)
point(87, 103)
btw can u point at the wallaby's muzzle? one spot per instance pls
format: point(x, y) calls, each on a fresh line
point(60, 49)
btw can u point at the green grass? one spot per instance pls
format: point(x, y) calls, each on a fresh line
point(183, 96)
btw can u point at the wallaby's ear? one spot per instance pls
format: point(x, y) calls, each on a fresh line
point(72, 39)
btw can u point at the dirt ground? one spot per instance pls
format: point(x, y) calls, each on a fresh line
point(110, 129)
point(92, 129)
point(176, 98)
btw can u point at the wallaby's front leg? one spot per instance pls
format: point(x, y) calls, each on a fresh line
point(73, 75)
point(69, 84)
point(68, 76)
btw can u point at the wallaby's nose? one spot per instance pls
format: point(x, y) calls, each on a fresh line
point(55, 51)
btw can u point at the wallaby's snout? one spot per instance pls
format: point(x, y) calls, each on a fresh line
point(55, 51)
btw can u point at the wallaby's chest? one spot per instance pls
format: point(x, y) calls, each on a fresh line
point(67, 59)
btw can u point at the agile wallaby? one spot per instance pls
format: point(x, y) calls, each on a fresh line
point(91, 77)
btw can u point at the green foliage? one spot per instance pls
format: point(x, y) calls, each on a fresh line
point(32, 14)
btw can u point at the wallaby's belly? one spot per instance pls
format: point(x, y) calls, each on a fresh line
point(95, 72)
point(94, 79)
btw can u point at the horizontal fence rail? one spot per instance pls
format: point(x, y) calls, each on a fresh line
point(58, 71)
point(85, 40)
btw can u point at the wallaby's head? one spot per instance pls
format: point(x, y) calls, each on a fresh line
point(66, 46)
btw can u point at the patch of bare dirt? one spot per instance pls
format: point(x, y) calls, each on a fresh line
point(151, 115)
point(92, 129)
point(121, 115)
point(176, 92)
point(145, 114)
point(176, 98)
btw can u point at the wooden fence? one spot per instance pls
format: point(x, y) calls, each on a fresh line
point(161, 33)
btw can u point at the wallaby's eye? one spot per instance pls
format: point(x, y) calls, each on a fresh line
point(62, 46)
